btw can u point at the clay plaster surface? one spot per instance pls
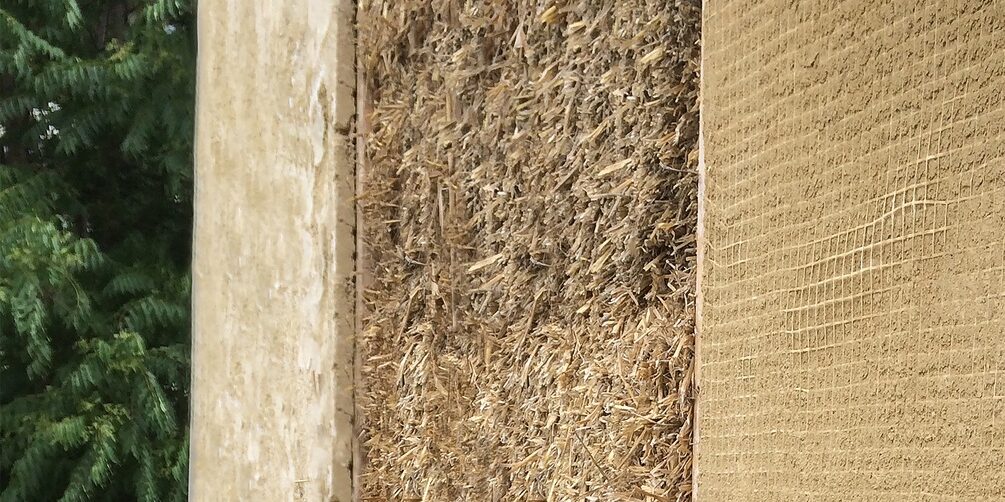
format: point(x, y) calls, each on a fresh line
point(273, 298)
point(853, 282)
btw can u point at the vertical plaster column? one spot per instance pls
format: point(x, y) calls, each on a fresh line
point(273, 300)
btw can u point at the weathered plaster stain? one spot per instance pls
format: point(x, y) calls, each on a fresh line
point(273, 253)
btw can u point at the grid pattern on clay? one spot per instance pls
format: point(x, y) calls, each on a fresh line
point(854, 270)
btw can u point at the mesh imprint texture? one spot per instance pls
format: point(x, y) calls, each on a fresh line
point(851, 341)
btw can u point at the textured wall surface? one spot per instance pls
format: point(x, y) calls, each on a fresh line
point(273, 300)
point(529, 212)
point(854, 276)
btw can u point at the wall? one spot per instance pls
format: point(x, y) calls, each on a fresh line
point(273, 297)
point(529, 212)
point(854, 271)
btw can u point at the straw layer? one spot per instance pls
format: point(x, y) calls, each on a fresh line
point(528, 209)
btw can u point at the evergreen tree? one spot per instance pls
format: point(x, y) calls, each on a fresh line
point(96, 125)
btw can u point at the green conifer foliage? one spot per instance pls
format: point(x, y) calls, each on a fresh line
point(96, 125)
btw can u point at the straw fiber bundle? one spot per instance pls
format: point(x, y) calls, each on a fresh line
point(529, 208)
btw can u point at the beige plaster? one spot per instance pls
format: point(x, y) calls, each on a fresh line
point(273, 297)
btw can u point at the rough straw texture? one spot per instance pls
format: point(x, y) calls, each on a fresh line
point(854, 299)
point(529, 211)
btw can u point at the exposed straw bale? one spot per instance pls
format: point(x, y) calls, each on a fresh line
point(529, 210)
